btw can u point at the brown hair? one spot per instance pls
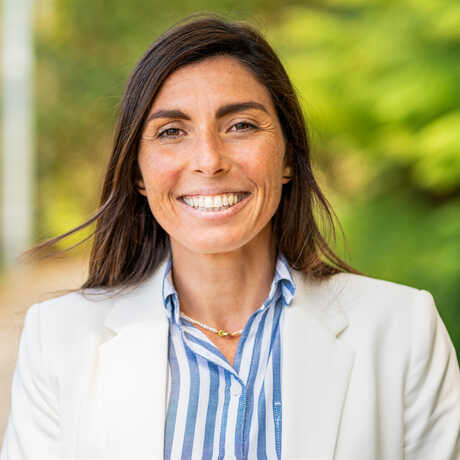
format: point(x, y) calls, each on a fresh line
point(128, 243)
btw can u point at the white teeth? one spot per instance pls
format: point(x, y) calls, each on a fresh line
point(217, 201)
point(214, 202)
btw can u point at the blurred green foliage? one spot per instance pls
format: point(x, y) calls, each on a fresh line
point(379, 82)
point(380, 86)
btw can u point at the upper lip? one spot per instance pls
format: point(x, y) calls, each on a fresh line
point(212, 192)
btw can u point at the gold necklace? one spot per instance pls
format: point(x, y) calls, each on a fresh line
point(219, 332)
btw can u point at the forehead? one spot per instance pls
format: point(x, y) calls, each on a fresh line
point(215, 80)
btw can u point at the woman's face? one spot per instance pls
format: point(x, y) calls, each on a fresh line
point(212, 157)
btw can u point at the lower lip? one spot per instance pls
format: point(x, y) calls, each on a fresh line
point(216, 215)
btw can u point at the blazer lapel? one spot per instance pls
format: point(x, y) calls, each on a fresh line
point(129, 405)
point(316, 370)
point(132, 374)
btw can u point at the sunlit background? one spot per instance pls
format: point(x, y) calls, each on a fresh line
point(380, 85)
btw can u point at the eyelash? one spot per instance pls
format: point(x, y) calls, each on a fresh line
point(162, 133)
point(249, 126)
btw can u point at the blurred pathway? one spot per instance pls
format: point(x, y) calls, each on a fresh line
point(19, 289)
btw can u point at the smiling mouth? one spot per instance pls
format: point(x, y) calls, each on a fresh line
point(214, 203)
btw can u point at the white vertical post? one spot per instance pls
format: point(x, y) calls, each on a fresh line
point(17, 133)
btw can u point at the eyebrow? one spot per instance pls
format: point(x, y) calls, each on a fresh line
point(221, 111)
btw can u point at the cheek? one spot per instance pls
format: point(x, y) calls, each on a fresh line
point(159, 174)
point(267, 172)
point(267, 164)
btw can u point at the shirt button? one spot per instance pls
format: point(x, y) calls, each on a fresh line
point(235, 391)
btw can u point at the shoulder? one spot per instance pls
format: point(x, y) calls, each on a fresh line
point(68, 319)
point(355, 293)
point(383, 319)
point(372, 306)
point(402, 307)
point(78, 306)
point(370, 297)
point(88, 314)
point(358, 288)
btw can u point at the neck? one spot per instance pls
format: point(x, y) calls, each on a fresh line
point(224, 289)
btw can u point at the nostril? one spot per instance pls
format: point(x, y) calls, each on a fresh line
point(210, 172)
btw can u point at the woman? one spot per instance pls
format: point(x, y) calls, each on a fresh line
point(215, 321)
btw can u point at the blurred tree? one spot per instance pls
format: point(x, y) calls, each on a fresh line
point(379, 81)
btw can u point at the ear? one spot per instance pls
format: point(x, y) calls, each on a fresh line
point(141, 187)
point(287, 174)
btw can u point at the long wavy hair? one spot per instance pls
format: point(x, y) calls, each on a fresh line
point(128, 243)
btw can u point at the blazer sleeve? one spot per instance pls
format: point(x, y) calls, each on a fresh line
point(432, 396)
point(32, 431)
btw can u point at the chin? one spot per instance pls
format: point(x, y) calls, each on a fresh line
point(212, 245)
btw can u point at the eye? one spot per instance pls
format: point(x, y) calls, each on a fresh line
point(243, 126)
point(169, 132)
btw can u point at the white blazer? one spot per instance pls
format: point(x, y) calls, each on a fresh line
point(369, 373)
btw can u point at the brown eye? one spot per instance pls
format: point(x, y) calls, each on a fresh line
point(242, 126)
point(169, 132)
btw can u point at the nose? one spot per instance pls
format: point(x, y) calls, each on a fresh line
point(209, 158)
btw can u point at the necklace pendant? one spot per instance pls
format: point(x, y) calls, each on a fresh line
point(222, 333)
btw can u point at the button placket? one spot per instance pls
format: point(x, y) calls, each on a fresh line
point(235, 389)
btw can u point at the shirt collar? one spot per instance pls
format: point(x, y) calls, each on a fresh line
point(282, 285)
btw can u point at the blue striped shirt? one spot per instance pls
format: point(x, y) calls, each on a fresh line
point(217, 411)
